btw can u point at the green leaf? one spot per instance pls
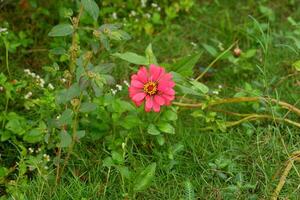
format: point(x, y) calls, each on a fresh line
point(91, 7)
point(61, 30)
point(150, 55)
point(166, 127)
point(200, 86)
point(169, 115)
point(66, 95)
point(87, 107)
point(34, 136)
point(186, 64)
point(65, 139)
point(296, 65)
point(3, 172)
point(108, 162)
point(160, 139)
point(132, 58)
point(152, 130)
point(80, 134)
point(15, 126)
point(65, 118)
point(144, 178)
point(210, 49)
point(117, 157)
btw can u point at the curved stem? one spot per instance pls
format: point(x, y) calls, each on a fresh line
point(239, 100)
point(214, 61)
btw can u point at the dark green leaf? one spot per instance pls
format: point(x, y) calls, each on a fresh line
point(91, 7)
point(65, 139)
point(35, 135)
point(87, 107)
point(61, 30)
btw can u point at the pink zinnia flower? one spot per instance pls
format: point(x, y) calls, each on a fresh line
point(155, 86)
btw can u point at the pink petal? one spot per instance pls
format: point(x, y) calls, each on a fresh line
point(168, 97)
point(139, 96)
point(156, 72)
point(166, 77)
point(138, 103)
point(137, 84)
point(156, 107)
point(143, 75)
point(159, 100)
point(170, 92)
point(149, 103)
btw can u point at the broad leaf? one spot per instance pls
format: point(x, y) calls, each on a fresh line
point(152, 130)
point(91, 7)
point(61, 30)
point(185, 65)
point(132, 58)
point(87, 107)
point(166, 127)
point(65, 139)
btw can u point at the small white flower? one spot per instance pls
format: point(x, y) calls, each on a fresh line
point(147, 15)
point(215, 92)
point(126, 83)
point(119, 87)
point(1, 88)
point(46, 167)
point(114, 15)
point(58, 116)
point(158, 8)
point(132, 13)
point(33, 75)
point(63, 80)
point(38, 150)
point(143, 3)
point(28, 95)
point(193, 44)
point(38, 77)
point(50, 86)
point(30, 150)
point(113, 91)
point(154, 5)
point(136, 20)
point(220, 86)
point(46, 157)
point(4, 30)
point(27, 71)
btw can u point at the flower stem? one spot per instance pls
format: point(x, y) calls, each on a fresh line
point(215, 60)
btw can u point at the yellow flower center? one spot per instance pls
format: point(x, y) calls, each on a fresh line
point(150, 88)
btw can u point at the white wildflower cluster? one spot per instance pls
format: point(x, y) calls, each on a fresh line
point(31, 150)
point(37, 78)
point(3, 31)
point(155, 5)
point(114, 15)
point(132, 13)
point(1, 89)
point(46, 157)
point(216, 92)
point(119, 87)
point(147, 15)
point(143, 3)
point(194, 44)
point(63, 80)
point(28, 95)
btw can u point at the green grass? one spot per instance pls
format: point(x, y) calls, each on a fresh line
point(244, 162)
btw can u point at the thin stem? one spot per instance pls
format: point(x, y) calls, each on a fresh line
point(239, 100)
point(252, 117)
point(5, 112)
point(214, 61)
